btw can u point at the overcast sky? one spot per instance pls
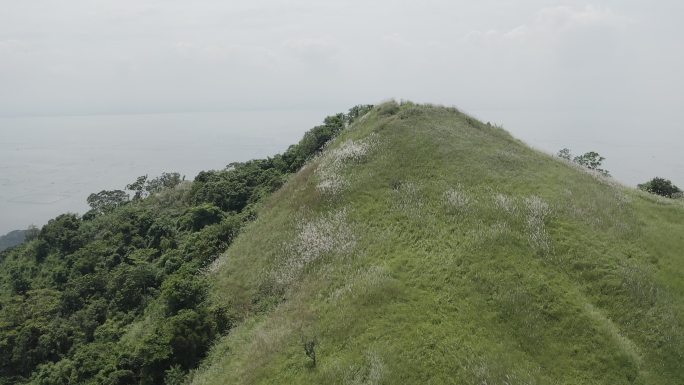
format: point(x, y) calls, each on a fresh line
point(609, 66)
point(103, 56)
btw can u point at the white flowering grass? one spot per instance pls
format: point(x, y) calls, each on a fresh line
point(537, 212)
point(408, 198)
point(371, 372)
point(456, 198)
point(331, 180)
point(327, 235)
point(485, 372)
point(506, 204)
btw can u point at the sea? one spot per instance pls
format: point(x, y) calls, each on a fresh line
point(49, 165)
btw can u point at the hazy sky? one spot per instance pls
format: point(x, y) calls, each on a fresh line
point(97, 56)
point(608, 67)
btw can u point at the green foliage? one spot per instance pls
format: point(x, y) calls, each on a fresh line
point(138, 187)
point(662, 187)
point(183, 291)
point(310, 350)
point(175, 375)
point(63, 233)
point(388, 108)
point(129, 285)
point(143, 186)
point(565, 154)
point(120, 296)
point(164, 181)
point(189, 334)
point(201, 216)
point(107, 200)
point(357, 112)
point(590, 160)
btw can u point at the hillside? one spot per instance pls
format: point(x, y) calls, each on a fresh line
point(11, 239)
point(424, 247)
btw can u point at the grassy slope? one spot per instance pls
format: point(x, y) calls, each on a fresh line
point(446, 269)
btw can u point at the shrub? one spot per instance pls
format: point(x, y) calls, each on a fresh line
point(310, 349)
point(200, 216)
point(591, 160)
point(565, 154)
point(183, 291)
point(389, 108)
point(662, 187)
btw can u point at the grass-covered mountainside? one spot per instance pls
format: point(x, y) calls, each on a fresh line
point(424, 247)
point(417, 246)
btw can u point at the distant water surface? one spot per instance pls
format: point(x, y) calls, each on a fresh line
point(49, 165)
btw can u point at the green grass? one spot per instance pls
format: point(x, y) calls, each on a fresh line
point(450, 252)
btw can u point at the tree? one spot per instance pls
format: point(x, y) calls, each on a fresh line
point(183, 291)
point(200, 216)
point(107, 200)
point(660, 186)
point(31, 233)
point(565, 154)
point(63, 233)
point(591, 160)
point(358, 111)
point(143, 186)
point(138, 187)
point(166, 180)
point(174, 375)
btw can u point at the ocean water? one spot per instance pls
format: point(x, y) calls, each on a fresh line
point(49, 165)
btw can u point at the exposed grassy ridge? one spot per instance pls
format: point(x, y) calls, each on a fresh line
point(425, 247)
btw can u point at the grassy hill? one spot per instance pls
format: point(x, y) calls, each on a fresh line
point(424, 247)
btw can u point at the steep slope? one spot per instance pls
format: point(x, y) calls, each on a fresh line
point(423, 246)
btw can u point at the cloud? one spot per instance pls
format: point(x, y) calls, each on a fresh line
point(397, 40)
point(554, 20)
point(315, 49)
point(10, 46)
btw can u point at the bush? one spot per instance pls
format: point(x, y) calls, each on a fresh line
point(662, 187)
point(183, 291)
point(591, 160)
point(200, 216)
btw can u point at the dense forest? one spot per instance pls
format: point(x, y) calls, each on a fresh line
point(118, 295)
